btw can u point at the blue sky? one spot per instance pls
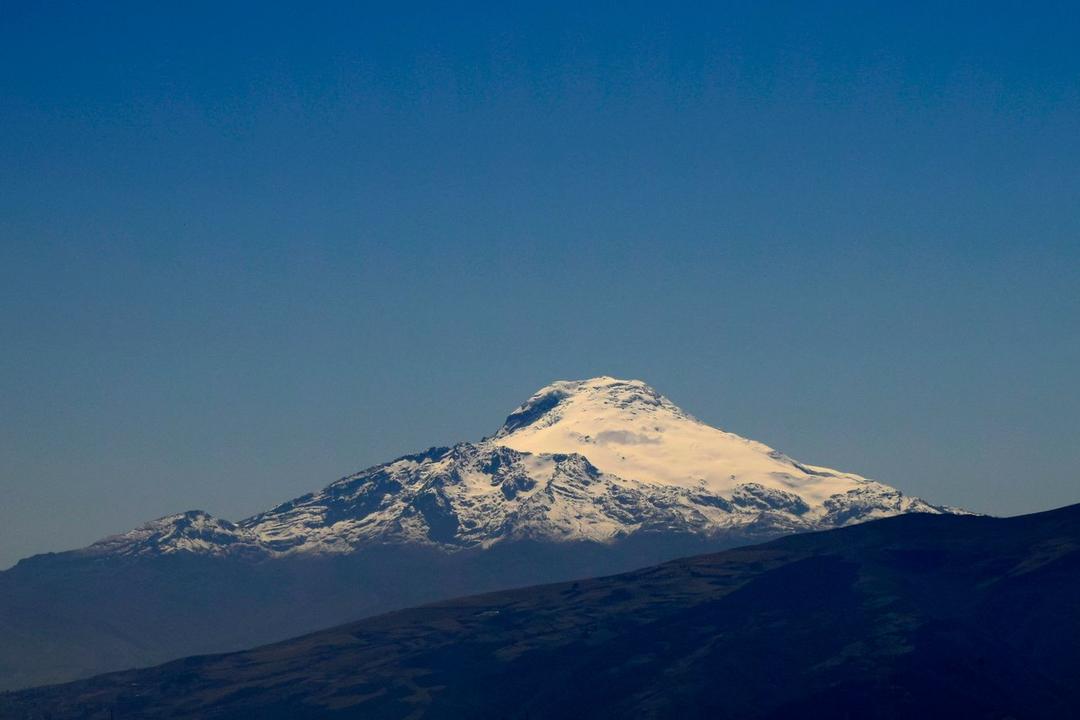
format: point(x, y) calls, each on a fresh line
point(246, 251)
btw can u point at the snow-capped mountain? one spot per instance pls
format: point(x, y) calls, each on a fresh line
point(592, 460)
point(586, 478)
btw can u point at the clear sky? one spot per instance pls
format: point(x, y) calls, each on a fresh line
point(246, 251)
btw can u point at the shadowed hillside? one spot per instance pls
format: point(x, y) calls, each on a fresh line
point(918, 615)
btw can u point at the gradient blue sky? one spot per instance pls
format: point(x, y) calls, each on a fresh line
point(246, 251)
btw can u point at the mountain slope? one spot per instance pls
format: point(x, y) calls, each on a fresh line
point(585, 478)
point(914, 616)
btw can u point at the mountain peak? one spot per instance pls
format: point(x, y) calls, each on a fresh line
point(629, 430)
point(603, 395)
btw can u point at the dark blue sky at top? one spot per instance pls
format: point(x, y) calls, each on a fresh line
point(246, 250)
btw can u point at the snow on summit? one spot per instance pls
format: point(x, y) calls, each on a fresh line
point(595, 460)
point(626, 428)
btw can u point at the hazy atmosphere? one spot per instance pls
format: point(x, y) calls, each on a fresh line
point(245, 253)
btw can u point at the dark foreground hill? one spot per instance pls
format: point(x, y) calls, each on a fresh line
point(912, 616)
